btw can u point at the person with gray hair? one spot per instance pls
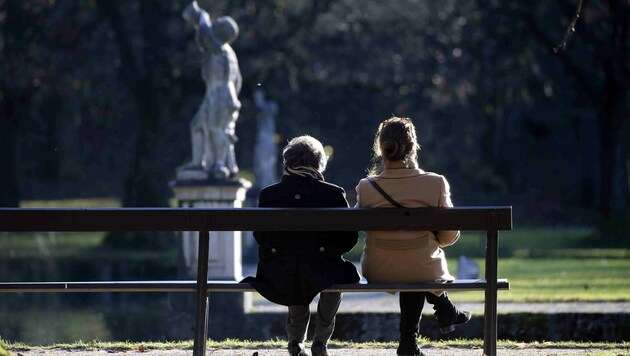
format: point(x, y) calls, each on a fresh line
point(294, 267)
point(304, 156)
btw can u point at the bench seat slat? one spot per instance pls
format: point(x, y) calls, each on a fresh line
point(460, 284)
point(230, 286)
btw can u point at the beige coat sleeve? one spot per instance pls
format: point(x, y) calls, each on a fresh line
point(446, 238)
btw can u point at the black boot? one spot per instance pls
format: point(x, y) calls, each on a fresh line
point(409, 347)
point(448, 315)
point(296, 348)
point(319, 349)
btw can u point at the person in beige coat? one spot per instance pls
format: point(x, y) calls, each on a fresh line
point(395, 180)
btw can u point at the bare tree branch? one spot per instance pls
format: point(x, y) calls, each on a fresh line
point(570, 29)
point(570, 65)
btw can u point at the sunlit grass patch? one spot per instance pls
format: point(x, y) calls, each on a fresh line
point(558, 279)
point(72, 203)
point(42, 244)
point(604, 348)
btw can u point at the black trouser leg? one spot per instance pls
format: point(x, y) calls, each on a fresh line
point(411, 304)
point(438, 302)
point(325, 321)
point(297, 322)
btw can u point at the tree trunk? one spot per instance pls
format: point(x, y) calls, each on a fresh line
point(143, 70)
point(9, 187)
point(145, 185)
point(52, 163)
point(614, 112)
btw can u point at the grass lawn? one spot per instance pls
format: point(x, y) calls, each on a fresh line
point(114, 347)
point(568, 279)
point(559, 279)
point(29, 244)
point(72, 203)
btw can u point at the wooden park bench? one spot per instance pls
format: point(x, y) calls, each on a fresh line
point(489, 219)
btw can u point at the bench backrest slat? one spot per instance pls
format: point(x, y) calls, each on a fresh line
point(262, 219)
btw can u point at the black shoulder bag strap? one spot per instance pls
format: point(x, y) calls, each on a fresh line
point(385, 195)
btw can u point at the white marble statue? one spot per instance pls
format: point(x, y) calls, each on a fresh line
point(266, 148)
point(212, 128)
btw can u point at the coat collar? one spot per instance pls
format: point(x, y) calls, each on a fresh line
point(293, 177)
point(401, 173)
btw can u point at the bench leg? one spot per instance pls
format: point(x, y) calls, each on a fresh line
point(490, 306)
point(201, 305)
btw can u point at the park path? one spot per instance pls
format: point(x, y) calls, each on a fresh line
point(337, 352)
point(383, 303)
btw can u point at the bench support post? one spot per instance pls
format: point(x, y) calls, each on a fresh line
point(490, 305)
point(201, 305)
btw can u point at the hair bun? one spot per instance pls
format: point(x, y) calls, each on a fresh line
point(392, 150)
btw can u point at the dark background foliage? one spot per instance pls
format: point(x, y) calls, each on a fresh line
point(96, 96)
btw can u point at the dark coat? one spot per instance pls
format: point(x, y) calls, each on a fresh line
point(293, 267)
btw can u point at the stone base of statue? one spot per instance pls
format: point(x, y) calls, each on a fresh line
point(195, 188)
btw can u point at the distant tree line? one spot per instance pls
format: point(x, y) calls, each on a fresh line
point(96, 96)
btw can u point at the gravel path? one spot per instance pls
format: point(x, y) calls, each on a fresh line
point(383, 302)
point(337, 352)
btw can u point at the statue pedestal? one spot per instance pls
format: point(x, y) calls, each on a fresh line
point(224, 261)
point(195, 189)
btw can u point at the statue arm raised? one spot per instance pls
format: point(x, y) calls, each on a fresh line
point(200, 20)
point(191, 14)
